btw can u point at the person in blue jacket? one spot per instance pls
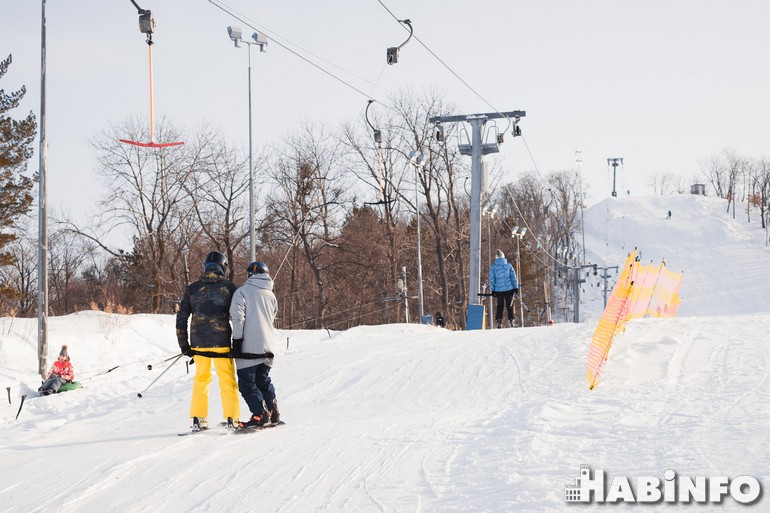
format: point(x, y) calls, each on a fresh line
point(503, 284)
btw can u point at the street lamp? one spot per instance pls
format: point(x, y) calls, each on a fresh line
point(519, 234)
point(490, 211)
point(417, 159)
point(236, 38)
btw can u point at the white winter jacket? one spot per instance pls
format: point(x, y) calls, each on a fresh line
point(252, 312)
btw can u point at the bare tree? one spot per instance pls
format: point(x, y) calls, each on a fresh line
point(760, 179)
point(715, 172)
point(307, 206)
point(218, 191)
point(68, 255)
point(147, 194)
point(19, 276)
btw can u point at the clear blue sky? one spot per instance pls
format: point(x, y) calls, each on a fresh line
point(662, 84)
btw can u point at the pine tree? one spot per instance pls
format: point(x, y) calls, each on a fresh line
point(16, 139)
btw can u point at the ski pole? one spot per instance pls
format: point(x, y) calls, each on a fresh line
point(21, 406)
point(161, 374)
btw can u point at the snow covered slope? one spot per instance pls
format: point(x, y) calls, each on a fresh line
point(725, 261)
point(406, 418)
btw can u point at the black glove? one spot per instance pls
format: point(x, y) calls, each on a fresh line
point(516, 291)
point(237, 346)
point(185, 348)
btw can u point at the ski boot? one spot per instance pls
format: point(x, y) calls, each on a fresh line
point(257, 420)
point(199, 424)
point(275, 415)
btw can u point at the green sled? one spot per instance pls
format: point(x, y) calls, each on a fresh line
point(74, 385)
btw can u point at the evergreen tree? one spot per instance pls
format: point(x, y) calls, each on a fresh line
point(16, 139)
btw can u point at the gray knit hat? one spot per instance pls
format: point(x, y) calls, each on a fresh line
point(63, 352)
point(499, 254)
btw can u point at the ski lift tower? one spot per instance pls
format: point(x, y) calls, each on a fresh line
point(476, 149)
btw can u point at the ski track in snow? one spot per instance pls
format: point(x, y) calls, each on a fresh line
point(408, 418)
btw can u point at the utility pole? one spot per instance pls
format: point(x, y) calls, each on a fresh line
point(614, 163)
point(476, 149)
point(605, 275)
point(42, 256)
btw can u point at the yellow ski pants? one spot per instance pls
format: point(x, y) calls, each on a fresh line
point(228, 387)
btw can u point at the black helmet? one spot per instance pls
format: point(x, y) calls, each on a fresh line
point(257, 268)
point(215, 262)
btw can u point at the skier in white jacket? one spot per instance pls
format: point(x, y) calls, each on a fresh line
point(252, 312)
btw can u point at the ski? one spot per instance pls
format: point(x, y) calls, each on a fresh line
point(192, 432)
point(251, 429)
point(231, 429)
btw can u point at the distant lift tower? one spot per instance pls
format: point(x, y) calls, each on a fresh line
point(614, 163)
point(476, 149)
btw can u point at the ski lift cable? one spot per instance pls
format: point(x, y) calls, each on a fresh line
point(531, 231)
point(453, 72)
point(276, 39)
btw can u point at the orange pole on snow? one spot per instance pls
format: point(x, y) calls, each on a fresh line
point(152, 117)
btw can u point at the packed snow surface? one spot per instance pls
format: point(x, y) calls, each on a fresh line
point(410, 418)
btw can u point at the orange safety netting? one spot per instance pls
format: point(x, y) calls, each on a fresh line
point(641, 291)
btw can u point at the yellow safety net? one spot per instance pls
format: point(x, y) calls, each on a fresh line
point(642, 290)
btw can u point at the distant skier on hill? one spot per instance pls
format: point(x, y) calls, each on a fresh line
point(503, 284)
point(668, 216)
point(61, 372)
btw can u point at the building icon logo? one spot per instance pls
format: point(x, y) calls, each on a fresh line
point(574, 493)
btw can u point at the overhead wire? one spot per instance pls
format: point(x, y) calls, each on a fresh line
point(526, 145)
point(453, 72)
point(440, 59)
point(275, 38)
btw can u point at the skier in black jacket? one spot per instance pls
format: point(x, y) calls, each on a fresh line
point(208, 301)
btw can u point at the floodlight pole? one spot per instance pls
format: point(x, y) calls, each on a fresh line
point(490, 214)
point(42, 264)
point(489, 264)
point(519, 234)
point(476, 149)
point(235, 36)
point(614, 163)
point(418, 161)
point(252, 246)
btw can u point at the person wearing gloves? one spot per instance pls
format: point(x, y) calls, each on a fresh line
point(503, 284)
point(61, 372)
point(208, 302)
point(252, 312)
